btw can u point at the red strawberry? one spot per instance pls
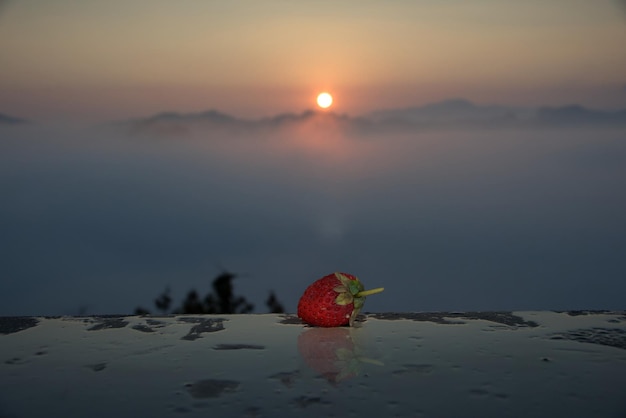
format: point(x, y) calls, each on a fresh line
point(333, 300)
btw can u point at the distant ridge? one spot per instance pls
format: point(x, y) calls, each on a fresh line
point(454, 113)
point(209, 115)
point(11, 120)
point(576, 114)
point(465, 113)
point(454, 110)
point(214, 116)
point(182, 124)
point(173, 123)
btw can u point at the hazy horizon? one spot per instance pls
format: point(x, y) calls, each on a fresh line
point(446, 108)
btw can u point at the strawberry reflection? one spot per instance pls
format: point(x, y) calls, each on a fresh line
point(332, 352)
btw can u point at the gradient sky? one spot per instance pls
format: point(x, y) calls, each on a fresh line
point(72, 59)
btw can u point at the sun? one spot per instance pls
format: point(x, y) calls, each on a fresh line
point(324, 100)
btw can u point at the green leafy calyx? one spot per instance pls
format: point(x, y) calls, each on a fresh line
point(352, 291)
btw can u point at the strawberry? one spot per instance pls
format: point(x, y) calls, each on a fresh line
point(333, 300)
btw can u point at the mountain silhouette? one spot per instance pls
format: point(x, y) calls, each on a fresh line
point(454, 113)
point(11, 120)
point(579, 115)
point(179, 124)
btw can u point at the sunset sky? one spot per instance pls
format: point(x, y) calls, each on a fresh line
point(84, 60)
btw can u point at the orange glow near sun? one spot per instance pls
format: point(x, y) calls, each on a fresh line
point(324, 100)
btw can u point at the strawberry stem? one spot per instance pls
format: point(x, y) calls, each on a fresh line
point(364, 293)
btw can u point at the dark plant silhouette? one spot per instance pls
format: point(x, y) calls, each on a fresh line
point(273, 304)
point(221, 301)
point(164, 301)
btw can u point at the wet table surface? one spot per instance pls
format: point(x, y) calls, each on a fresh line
point(473, 364)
